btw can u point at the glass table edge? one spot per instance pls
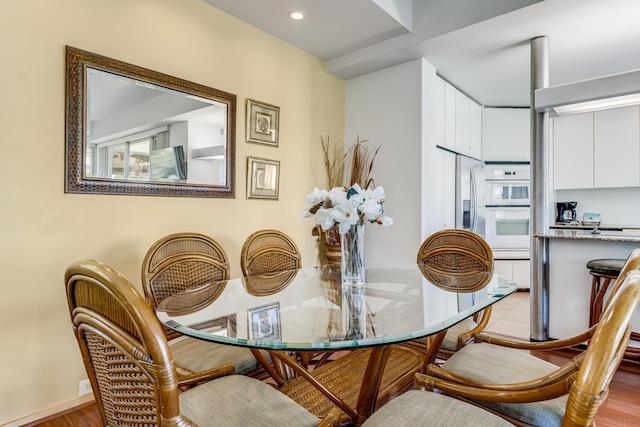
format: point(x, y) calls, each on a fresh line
point(337, 345)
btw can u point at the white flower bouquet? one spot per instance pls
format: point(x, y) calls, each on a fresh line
point(346, 207)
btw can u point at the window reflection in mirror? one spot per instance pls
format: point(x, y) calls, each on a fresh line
point(144, 132)
point(139, 131)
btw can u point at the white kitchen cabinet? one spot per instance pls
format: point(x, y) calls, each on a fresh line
point(450, 116)
point(475, 130)
point(506, 134)
point(504, 268)
point(573, 151)
point(463, 117)
point(449, 190)
point(517, 270)
point(468, 126)
point(438, 112)
point(617, 147)
point(445, 213)
point(522, 273)
point(599, 149)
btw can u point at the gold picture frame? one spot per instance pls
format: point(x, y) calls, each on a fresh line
point(263, 178)
point(263, 123)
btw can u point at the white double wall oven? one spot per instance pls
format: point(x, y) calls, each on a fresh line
point(507, 210)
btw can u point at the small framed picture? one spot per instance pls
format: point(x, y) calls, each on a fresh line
point(264, 323)
point(263, 178)
point(262, 123)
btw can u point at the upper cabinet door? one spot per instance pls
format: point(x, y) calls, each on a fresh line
point(450, 116)
point(463, 131)
point(436, 104)
point(573, 151)
point(462, 122)
point(617, 147)
point(507, 134)
point(475, 130)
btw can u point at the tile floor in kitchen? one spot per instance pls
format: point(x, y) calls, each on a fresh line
point(510, 317)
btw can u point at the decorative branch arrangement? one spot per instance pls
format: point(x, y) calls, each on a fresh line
point(362, 160)
point(359, 158)
point(334, 157)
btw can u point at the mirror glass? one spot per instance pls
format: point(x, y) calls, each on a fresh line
point(131, 130)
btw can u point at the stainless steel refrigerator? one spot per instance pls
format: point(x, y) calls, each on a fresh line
point(470, 201)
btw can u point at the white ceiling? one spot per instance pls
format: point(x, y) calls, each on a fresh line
point(480, 46)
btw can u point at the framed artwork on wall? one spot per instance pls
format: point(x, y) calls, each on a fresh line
point(264, 322)
point(263, 178)
point(262, 123)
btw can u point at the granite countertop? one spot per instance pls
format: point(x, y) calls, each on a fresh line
point(578, 226)
point(609, 235)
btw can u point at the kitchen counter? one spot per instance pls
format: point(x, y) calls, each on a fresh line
point(591, 227)
point(631, 235)
point(570, 249)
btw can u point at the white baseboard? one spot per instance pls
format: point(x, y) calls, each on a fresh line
point(50, 411)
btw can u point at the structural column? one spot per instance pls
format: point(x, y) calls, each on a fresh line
point(540, 194)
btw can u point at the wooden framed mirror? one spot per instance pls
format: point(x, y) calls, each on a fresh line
point(131, 130)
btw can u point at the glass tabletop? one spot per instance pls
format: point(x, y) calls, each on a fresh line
point(309, 309)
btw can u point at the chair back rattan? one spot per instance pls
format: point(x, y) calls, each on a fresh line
point(180, 262)
point(459, 261)
point(269, 251)
point(456, 260)
point(124, 349)
point(268, 283)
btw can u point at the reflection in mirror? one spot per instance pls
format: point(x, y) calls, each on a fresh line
point(144, 132)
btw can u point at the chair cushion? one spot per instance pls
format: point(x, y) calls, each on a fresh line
point(197, 355)
point(236, 400)
point(500, 365)
point(450, 341)
point(416, 408)
point(608, 266)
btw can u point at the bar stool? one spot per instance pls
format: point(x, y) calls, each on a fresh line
point(603, 271)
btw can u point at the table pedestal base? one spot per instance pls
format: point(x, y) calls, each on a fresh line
point(344, 377)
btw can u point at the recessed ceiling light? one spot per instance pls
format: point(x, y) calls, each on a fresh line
point(296, 15)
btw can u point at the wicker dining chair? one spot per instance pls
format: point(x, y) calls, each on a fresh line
point(581, 393)
point(459, 261)
point(269, 251)
point(270, 256)
point(490, 360)
point(182, 261)
point(132, 373)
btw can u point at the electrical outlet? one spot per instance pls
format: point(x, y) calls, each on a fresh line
point(84, 387)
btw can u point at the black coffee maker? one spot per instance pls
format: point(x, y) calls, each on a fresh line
point(566, 212)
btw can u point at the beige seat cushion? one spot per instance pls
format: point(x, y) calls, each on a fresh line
point(494, 364)
point(450, 341)
point(421, 408)
point(236, 400)
point(197, 355)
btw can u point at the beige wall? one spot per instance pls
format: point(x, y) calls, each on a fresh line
point(42, 229)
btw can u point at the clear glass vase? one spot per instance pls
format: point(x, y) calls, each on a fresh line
point(352, 262)
point(354, 312)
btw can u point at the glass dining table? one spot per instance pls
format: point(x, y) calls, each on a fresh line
point(309, 311)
